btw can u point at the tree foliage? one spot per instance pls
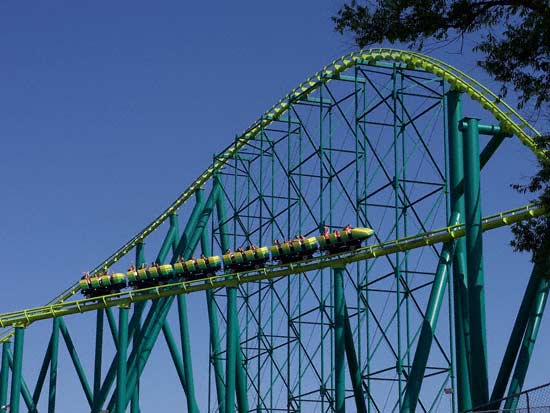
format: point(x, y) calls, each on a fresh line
point(513, 38)
point(534, 235)
point(515, 35)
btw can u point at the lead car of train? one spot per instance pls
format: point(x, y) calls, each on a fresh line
point(294, 250)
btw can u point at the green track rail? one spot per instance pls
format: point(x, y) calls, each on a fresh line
point(509, 119)
point(26, 317)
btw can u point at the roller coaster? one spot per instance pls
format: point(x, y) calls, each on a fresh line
point(315, 323)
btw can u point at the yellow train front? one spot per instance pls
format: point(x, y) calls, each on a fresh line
point(298, 249)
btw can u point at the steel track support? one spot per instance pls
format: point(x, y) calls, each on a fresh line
point(339, 341)
point(4, 373)
point(135, 322)
point(17, 374)
point(155, 315)
point(460, 286)
point(42, 375)
point(76, 361)
point(186, 353)
point(139, 358)
point(98, 359)
point(121, 364)
point(240, 379)
point(514, 343)
point(215, 349)
point(231, 358)
point(25, 392)
point(474, 252)
point(528, 344)
point(54, 352)
point(427, 334)
point(353, 365)
point(174, 353)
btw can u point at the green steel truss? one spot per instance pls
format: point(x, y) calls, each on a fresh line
point(375, 139)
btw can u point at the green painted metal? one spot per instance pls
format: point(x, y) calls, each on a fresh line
point(121, 365)
point(135, 323)
point(479, 386)
point(25, 392)
point(339, 341)
point(98, 359)
point(112, 325)
point(42, 374)
point(308, 177)
point(441, 235)
point(460, 285)
point(4, 373)
point(174, 353)
point(514, 343)
point(231, 353)
point(15, 396)
point(416, 375)
point(353, 365)
point(186, 351)
point(240, 378)
point(54, 351)
point(527, 346)
point(76, 361)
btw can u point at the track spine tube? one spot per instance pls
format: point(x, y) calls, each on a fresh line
point(54, 351)
point(460, 286)
point(474, 252)
point(17, 374)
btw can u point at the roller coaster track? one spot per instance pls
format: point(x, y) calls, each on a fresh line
point(509, 119)
point(442, 235)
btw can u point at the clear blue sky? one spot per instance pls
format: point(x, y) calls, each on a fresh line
point(109, 109)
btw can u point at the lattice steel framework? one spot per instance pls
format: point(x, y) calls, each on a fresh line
point(376, 140)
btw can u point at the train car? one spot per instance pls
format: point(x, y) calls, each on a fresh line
point(294, 250)
point(246, 260)
point(346, 240)
point(298, 249)
point(102, 284)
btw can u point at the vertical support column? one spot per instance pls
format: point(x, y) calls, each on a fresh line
point(98, 359)
point(54, 351)
point(339, 340)
point(4, 373)
point(474, 252)
point(17, 374)
point(460, 288)
point(239, 381)
point(231, 362)
point(531, 332)
point(437, 294)
point(138, 312)
point(353, 365)
point(514, 342)
point(186, 353)
point(121, 363)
